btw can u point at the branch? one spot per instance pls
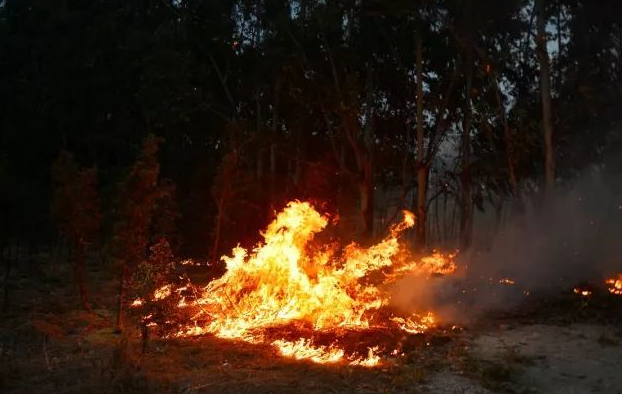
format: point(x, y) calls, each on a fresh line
point(223, 82)
point(441, 121)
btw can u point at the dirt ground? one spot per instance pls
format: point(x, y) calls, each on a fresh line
point(564, 344)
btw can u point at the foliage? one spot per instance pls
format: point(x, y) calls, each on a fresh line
point(289, 76)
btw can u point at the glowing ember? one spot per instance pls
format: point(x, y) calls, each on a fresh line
point(303, 350)
point(415, 324)
point(290, 279)
point(162, 292)
point(506, 281)
point(615, 285)
point(582, 292)
point(136, 303)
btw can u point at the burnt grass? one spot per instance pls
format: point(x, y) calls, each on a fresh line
point(49, 345)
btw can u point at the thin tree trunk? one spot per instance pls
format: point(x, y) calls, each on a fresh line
point(120, 295)
point(445, 217)
point(81, 277)
point(422, 169)
point(466, 211)
point(7, 272)
point(366, 193)
point(259, 163)
point(219, 217)
point(274, 137)
point(507, 137)
point(272, 169)
point(545, 97)
point(422, 193)
point(438, 220)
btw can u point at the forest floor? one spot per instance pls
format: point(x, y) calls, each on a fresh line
point(567, 344)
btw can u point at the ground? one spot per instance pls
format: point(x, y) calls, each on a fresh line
point(564, 344)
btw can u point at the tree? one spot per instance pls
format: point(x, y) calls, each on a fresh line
point(75, 207)
point(545, 95)
point(141, 193)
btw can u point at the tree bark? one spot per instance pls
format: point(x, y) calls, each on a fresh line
point(119, 325)
point(422, 167)
point(507, 136)
point(363, 176)
point(7, 272)
point(545, 98)
point(219, 218)
point(466, 211)
point(81, 277)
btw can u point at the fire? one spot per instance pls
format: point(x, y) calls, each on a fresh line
point(582, 292)
point(162, 292)
point(615, 285)
point(289, 280)
point(415, 324)
point(136, 303)
point(507, 281)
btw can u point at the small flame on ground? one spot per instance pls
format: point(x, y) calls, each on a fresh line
point(506, 281)
point(615, 285)
point(415, 324)
point(162, 292)
point(582, 292)
point(136, 303)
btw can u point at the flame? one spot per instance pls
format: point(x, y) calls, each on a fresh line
point(507, 281)
point(303, 350)
point(615, 285)
point(582, 292)
point(290, 279)
point(415, 324)
point(163, 292)
point(136, 303)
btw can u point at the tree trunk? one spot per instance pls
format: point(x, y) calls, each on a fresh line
point(507, 137)
point(120, 294)
point(259, 163)
point(219, 218)
point(81, 277)
point(366, 194)
point(7, 273)
point(545, 98)
point(422, 169)
point(466, 211)
point(366, 165)
point(274, 137)
point(422, 195)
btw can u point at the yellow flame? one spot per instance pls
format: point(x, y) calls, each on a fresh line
point(582, 292)
point(615, 285)
point(162, 292)
point(289, 278)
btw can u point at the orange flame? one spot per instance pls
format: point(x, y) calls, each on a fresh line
point(615, 285)
point(582, 292)
point(288, 279)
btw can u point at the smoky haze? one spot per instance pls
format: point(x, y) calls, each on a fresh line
point(546, 249)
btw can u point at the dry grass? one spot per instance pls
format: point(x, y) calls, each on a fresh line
point(47, 345)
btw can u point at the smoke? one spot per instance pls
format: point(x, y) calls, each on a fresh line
point(575, 238)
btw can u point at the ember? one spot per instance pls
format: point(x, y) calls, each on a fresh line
point(290, 279)
point(615, 285)
point(582, 292)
